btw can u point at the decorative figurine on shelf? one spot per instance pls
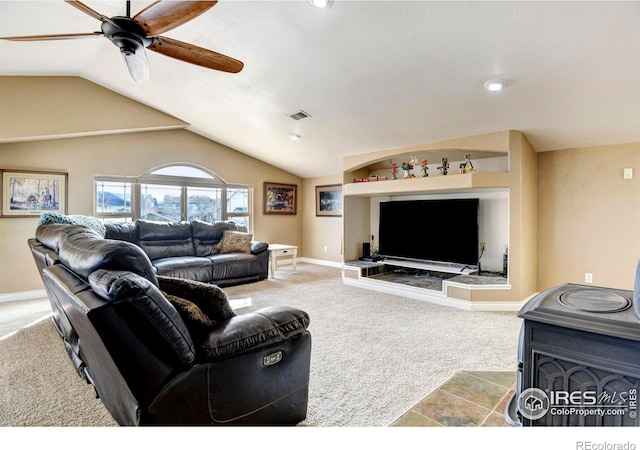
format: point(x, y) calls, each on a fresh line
point(444, 168)
point(407, 167)
point(424, 168)
point(394, 171)
point(466, 166)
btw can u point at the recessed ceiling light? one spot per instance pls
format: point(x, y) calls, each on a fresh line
point(295, 136)
point(495, 85)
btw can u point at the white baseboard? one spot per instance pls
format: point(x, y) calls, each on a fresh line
point(41, 293)
point(321, 262)
point(24, 295)
point(406, 291)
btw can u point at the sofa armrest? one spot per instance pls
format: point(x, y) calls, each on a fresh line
point(259, 247)
point(253, 330)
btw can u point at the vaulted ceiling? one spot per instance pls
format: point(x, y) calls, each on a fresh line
point(371, 74)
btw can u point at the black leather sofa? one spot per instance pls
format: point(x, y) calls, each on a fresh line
point(191, 250)
point(134, 336)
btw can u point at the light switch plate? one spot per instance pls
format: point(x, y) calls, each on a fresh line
point(628, 173)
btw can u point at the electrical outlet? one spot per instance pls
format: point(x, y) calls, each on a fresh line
point(483, 245)
point(588, 277)
point(325, 248)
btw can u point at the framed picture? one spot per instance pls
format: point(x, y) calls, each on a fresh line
point(280, 198)
point(30, 193)
point(329, 200)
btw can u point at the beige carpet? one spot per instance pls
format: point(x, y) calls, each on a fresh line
point(374, 355)
point(40, 387)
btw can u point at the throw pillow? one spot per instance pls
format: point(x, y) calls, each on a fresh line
point(74, 219)
point(207, 304)
point(198, 323)
point(235, 242)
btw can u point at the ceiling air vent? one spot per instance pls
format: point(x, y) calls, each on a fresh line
point(300, 115)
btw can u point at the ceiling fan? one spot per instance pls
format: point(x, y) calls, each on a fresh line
point(133, 34)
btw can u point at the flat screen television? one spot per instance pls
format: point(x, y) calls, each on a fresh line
point(443, 231)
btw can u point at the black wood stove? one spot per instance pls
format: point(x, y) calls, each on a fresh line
point(578, 358)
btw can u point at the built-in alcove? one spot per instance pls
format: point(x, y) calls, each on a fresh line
point(493, 222)
point(504, 181)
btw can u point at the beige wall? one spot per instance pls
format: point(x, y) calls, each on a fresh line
point(44, 107)
point(68, 124)
point(129, 154)
point(588, 216)
point(524, 233)
point(320, 232)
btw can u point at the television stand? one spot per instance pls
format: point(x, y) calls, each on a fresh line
point(436, 267)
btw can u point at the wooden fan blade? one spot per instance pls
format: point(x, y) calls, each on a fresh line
point(52, 37)
point(85, 9)
point(195, 55)
point(160, 16)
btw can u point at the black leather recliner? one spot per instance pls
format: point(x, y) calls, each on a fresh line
point(146, 359)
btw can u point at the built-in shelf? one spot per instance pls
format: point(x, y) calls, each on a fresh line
point(432, 184)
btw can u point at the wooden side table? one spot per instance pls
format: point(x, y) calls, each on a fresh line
point(278, 250)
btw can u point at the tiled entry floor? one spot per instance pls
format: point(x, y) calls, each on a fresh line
point(467, 399)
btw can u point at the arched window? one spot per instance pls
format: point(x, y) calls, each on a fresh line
point(172, 193)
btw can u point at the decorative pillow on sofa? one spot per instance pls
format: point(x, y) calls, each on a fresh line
point(235, 242)
point(197, 322)
point(201, 305)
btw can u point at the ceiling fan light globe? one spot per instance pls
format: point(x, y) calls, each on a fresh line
point(137, 63)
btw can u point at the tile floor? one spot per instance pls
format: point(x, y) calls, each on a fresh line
point(467, 399)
